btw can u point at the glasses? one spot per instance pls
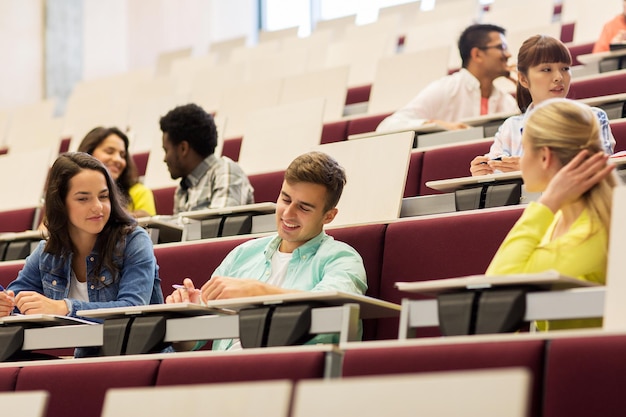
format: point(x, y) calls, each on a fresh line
point(501, 47)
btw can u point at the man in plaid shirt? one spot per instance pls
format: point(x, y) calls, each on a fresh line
point(208, 181)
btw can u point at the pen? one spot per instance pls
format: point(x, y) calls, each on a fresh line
point(2, 289)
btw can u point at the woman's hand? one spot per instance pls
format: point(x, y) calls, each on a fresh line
point(7, 302)
point(575, 178)
point(30, 302)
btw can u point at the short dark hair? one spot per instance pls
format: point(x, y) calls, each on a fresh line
point(56, 220)
point(192, 124)
point(95, 137)
point(475, 36)
point(318, 168)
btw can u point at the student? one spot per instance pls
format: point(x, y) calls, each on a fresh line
point(208, 181)
point(469, 92)
point(613, 32)
point(95, 257)
point(567, 229)
point(301, 256)
point(110, 146)
point(544, 72)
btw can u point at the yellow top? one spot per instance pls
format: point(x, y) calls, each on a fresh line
point(141, 198)
point(580, 253)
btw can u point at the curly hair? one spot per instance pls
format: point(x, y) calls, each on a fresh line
point(192, 124)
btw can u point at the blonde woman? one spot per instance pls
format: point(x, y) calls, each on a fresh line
point(567, 229)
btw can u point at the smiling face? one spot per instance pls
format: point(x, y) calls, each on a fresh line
point(87, 203)
point(547, 80)
point(495, 55)
point(173, 158)
point(301, 213)
point(112, 153)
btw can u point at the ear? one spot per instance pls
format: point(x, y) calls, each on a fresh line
point(546, 157)
point(475, 53)
point(329, 216)
point(183, 147)
point(523, 80)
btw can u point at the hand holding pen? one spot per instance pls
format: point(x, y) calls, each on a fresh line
point(7, 302)
point(185, 293)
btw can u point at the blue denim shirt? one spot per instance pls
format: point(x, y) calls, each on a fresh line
point(138, 282)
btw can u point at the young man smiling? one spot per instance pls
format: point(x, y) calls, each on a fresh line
point(469, 92)
point(301, 256)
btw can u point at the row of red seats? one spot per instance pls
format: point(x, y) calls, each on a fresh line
point(570, 376)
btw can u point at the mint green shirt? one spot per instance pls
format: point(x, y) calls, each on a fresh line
point(321, 264)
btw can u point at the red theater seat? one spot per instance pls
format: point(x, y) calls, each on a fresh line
point(440, 247)
point(334, 132)
point(365, 124)
point(613, 82)
point(619, 132)
point(79, 388)
point(368, 241)
point(164, 200)
point(17, 220)
point(585, 377)
point(196, 260)
point(141, 161)
point(414, 175)
point(449, 162)
point(231, 148)
point(267, 186)
point(8, 378)
point(451, 357)
point(9, 271)
point(242, 366)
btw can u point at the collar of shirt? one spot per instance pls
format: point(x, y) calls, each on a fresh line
point(198, 172)
point(469, 81)
point(308, 248)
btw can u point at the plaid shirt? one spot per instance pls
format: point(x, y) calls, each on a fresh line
point(215, 183)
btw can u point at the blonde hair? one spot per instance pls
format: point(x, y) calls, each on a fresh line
point(567, 127)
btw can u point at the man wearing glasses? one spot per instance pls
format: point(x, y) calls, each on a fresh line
point(469, 92)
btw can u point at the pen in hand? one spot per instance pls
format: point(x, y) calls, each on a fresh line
point(2, 289)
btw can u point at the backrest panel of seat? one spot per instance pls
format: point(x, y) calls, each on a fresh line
point(440, 247)
point(9, 271)
point(365, 124)
point(448, 357)
point(613, 82)
point(195, 260)
point(8, 378)
point(619, 133)
point(449, 162)
point(585, 376)
point(414, 175)
point(368, 240)
point(164, 200)
point(82, 386)
point(17, 220)
point(267, 186)
point(241, 366)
